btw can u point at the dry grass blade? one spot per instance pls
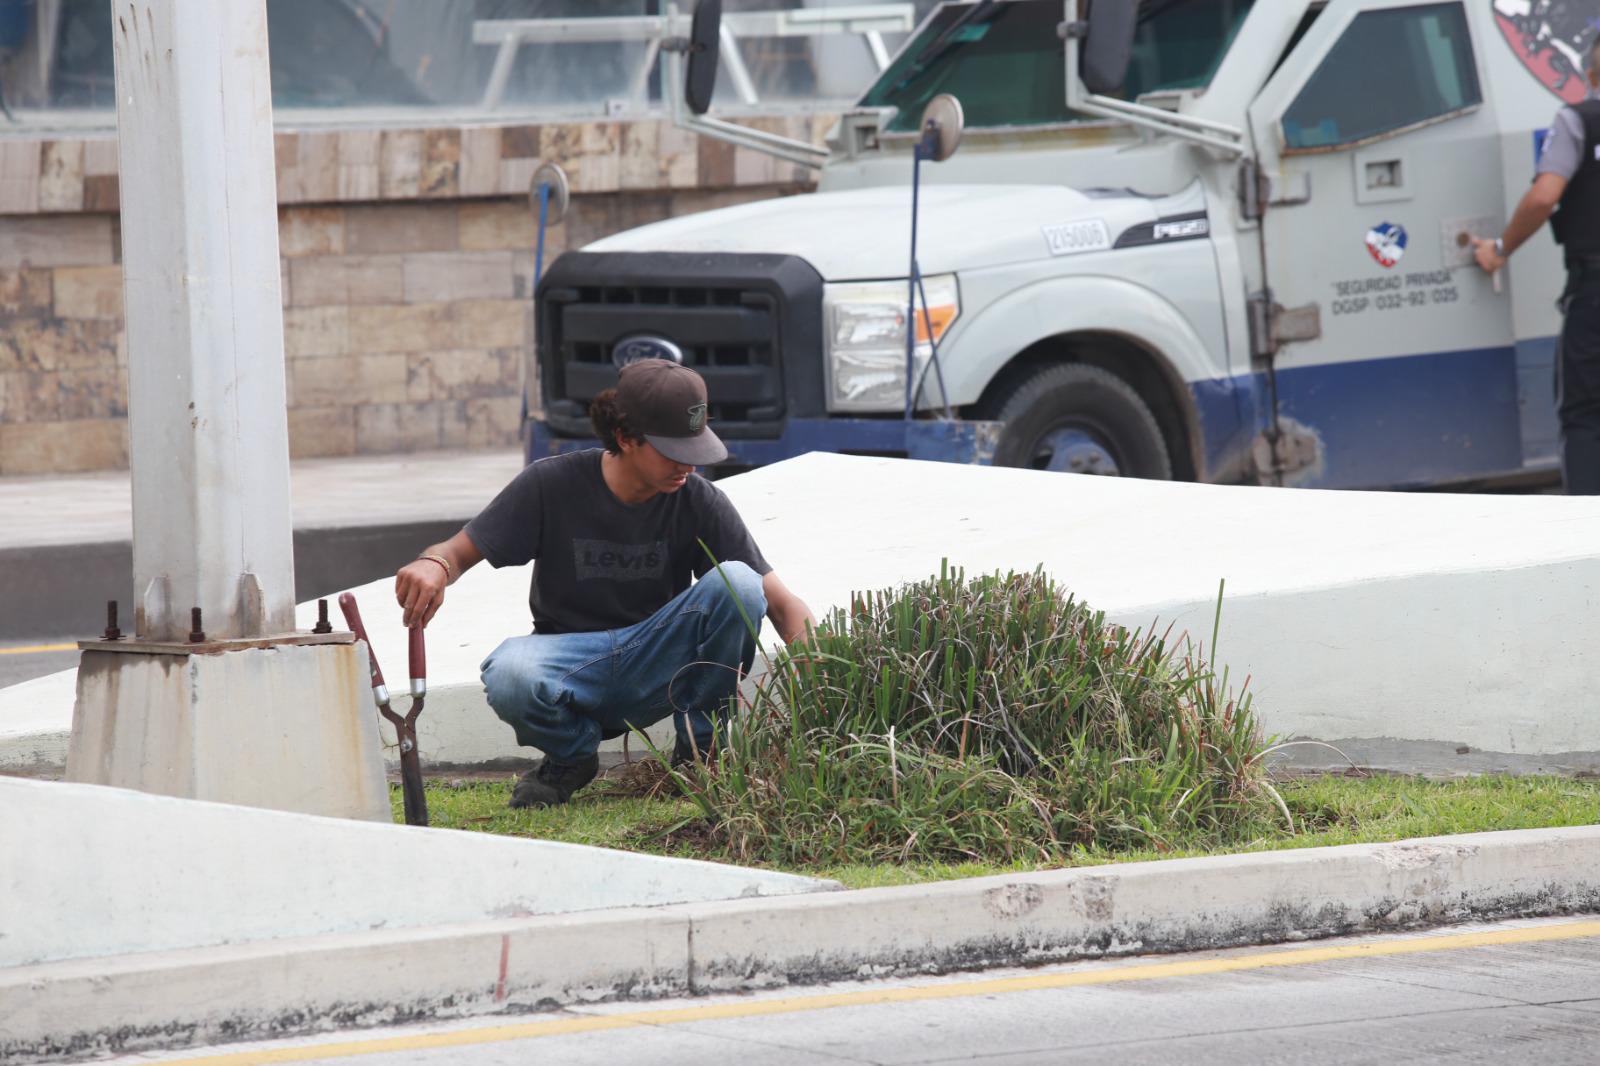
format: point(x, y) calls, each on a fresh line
point(647, 778)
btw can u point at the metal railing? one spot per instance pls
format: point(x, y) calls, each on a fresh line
point(869, 21)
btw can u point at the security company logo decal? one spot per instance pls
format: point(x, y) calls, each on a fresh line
point(697, 417)
point(1549, 36)
point(1387, 243)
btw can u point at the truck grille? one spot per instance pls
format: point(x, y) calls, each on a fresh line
point(734, 317)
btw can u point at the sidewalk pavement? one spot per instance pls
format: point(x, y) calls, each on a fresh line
point(65, 544)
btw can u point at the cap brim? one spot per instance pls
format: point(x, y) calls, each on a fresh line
point(702, 449)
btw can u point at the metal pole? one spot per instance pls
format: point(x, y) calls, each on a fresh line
point(538, 255)
point(205, 703)
point(207, 421)
point(733, 62)
point(501, 72)
point(933, 347)
point(538, 272)
point(911, 277)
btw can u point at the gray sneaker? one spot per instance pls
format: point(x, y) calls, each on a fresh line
point(552, 783)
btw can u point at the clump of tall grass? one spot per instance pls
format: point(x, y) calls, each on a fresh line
point(991, 719)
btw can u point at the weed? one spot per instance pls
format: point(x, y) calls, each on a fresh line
point(996, 719)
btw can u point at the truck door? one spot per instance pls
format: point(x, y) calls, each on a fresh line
point(1392, 353)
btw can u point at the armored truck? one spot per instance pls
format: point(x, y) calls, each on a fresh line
point(1229, 242)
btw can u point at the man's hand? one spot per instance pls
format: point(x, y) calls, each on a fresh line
point(1489, 259)
point(789, 614)
point(1533, 211)
point(419, 587)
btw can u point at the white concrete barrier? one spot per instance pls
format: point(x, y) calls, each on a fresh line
point(33, 730)
point(93, 871)
point(1434, 632)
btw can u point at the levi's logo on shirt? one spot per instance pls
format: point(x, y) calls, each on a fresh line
point(606, 560)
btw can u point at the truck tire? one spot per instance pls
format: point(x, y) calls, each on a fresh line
point(1079, 419)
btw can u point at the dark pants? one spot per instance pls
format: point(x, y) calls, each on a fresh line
point(1578, 382)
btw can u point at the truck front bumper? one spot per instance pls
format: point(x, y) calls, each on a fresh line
point(953, 441)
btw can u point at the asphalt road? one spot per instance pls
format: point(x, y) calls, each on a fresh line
point(25, 659)
point(1525, 992)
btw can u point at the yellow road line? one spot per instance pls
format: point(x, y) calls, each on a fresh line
point(34, 649)
point(874, 996)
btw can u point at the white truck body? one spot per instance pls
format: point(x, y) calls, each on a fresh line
point(1303, 309)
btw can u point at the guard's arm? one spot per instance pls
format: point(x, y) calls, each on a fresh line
point(790, 615)
point(1535, 209)
point(420, 584)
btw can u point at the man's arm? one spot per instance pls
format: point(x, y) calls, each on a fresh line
point(419, 586)
point(1537, 205)
point(789, 613)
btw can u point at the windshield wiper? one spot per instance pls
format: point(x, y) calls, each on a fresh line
point(945, 43)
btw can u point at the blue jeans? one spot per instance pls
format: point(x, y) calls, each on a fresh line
point(565, 692)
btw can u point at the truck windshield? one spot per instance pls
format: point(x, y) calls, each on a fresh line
point(1006, 64)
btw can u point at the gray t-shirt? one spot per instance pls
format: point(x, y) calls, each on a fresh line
point(1563, 148)
point(601, 563)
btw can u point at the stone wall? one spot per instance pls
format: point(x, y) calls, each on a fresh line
point(408, 261)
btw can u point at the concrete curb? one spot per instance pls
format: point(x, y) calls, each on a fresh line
point(268, 989)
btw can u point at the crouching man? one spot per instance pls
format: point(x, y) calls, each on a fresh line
point(621, 636)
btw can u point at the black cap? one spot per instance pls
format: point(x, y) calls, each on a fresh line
point(666, 402)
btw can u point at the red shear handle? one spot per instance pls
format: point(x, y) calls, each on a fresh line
point(352, 618)
point(419, 663)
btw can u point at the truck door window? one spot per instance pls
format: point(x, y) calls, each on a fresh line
point(1180, 43)
point(1005, 62)
point(1388, 71)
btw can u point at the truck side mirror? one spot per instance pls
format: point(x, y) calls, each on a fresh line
point(942, 125)
point(550, 193)
point(705, 38)
point(1105, 43)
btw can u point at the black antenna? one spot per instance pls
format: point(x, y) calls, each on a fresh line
point(942, 123)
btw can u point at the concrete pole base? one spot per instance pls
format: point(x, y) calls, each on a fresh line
point(288, 727)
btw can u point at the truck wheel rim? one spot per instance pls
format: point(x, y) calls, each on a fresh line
point(1073, 451)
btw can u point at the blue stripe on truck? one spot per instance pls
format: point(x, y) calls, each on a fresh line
point(1386, 423)
point(1403, 422)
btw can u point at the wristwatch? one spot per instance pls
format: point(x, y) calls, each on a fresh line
point(1500, 247)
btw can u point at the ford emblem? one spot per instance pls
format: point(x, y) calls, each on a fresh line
point(641, 346)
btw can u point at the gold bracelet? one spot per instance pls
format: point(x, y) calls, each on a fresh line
point(449, 575)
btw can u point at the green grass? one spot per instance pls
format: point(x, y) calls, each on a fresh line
point(954, 727)
point(1327, 811)
point(601, 816)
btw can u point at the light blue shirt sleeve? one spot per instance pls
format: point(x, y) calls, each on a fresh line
point(1563, 148)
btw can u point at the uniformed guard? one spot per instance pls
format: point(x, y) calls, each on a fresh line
point(1567, 184)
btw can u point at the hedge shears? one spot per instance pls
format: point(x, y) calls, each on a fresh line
point(405, 727)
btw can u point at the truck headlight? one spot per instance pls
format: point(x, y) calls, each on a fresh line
point(866, 338)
